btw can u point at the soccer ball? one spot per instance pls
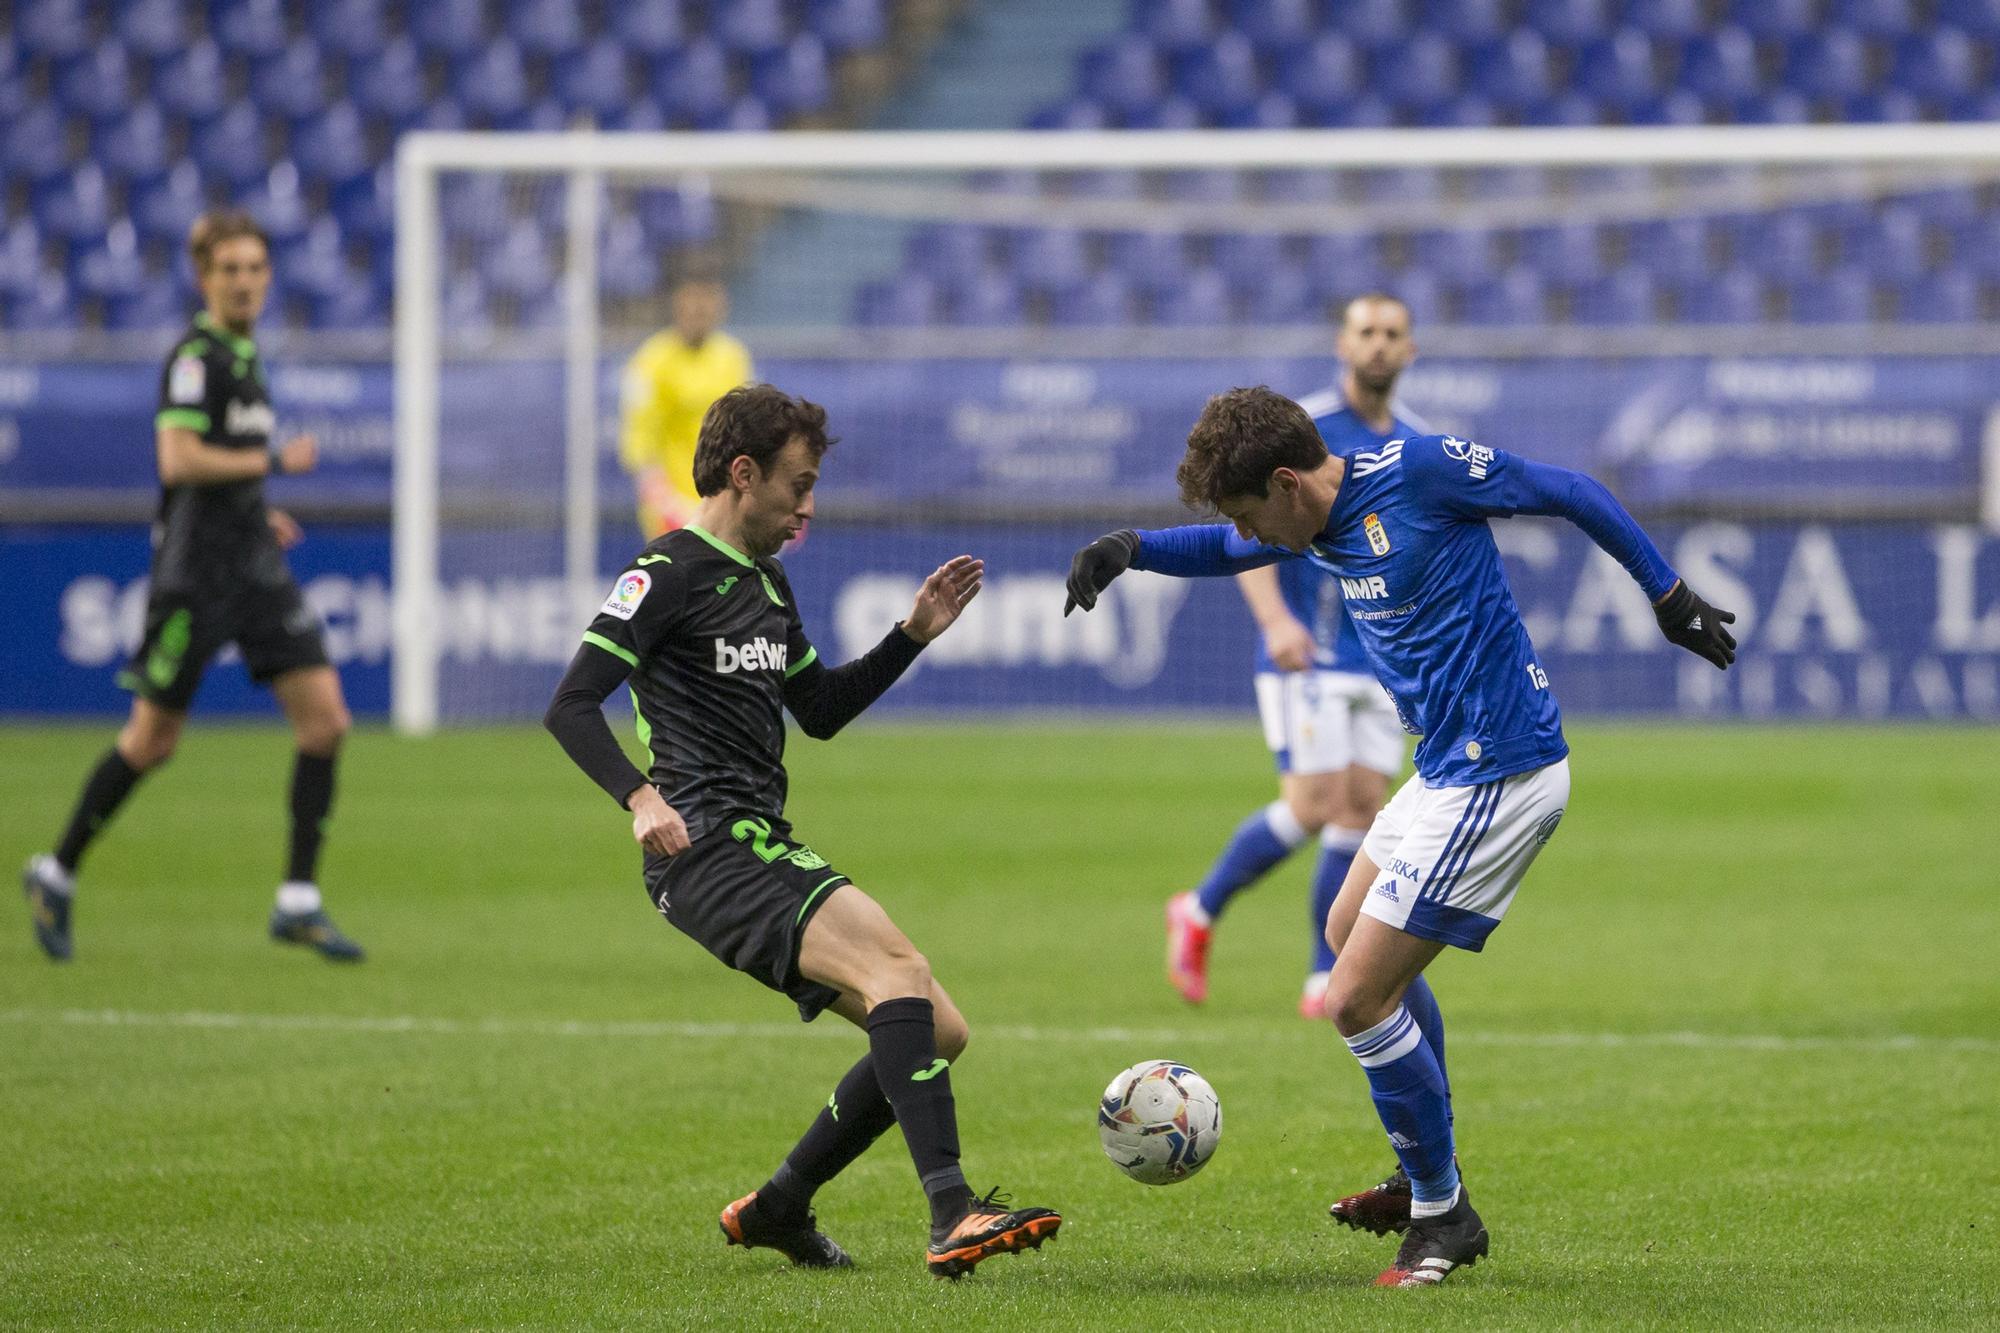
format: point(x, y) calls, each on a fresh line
point(1160, 1122)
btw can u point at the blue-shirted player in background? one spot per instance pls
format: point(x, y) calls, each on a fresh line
point(1328, 722)
point(1404, 527)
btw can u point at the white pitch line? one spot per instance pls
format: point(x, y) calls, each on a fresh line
point(654, 1029)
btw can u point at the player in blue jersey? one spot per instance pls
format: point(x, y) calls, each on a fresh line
point(1404, 528)
point(1330, 726)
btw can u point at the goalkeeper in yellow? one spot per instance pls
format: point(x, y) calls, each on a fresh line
point(669, 383)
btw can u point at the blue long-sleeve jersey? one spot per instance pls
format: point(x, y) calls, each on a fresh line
point(1409, 542)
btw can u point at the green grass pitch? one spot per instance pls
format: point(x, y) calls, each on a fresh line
point(1733, 1061)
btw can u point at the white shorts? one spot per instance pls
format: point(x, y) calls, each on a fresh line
point(1448, 859)
point(1325, 721)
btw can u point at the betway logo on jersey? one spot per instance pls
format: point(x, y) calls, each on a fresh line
point(756, 655)
point(1371, 589)
point(248, 419)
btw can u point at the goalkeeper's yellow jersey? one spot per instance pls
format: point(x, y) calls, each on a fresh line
point(668, 386)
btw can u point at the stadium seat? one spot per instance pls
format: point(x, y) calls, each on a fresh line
point(1339, 264)
point(1885, 105)
point(1677, 106)
point(56, 29)
point(352, 28)
point(315, 264)
point(1947, 297)
point(437, 113)
point(74, 209)
point(164, 210)
point(1326, 74)
point(1569, 108)
point(1514, 72)
point(628, 263)
point(1459, 255)
point(793, 80)
point(1282, 295)
point(1619, 70)
point(231, 148)
point(519, 266)
point(96, 83)
point(1073, 113)
point(192, 84)
point(677, 217)
point(1421, 293)
point(642, 114)
point(1172, 112)
point(595, 78)
point(1775, 20)
point(1788, 245)
point(356, 307)
point(1842, 296)
point(1978, 18)
point(1300, 185)
point(464, 307)
point(292, 83)
point(1627, 297)
point(1222, 78)
point(1401, 185)
point(1417, 74)
point(1151, 261)
point(1467, 22)
point(250, 27)
point(278, 204)
point(1244, 257)
point(1105, 301)
point(1176, 27)
point(47, 306)
point(1124, 75)
point(750, 27)
point(1941, 65)
point(1779, 106)
point(1875, 18)
point(545, 27)
point(151, 28)
point(908, 300)
point(1980, 104)
point(1734, 296)
point(1465, 111)
point(1103, 183)
point(1721, 66)
point(652, 29)
point(135, 147)
point(950, 252)
point(473, 205)
point(696, 82)
point(155, 305)
point(391, 85)
point(1680, 250)
point(492, 84)
point(453, 29)
point(848, 25)
point(1271, 111)
point(1204, 185)
point(1274, 26)
point(20, 257)
point(333, 146)
point(1667, 19)
point(1568, 22)
point(1200, 299)
point(1894, 246)
point(1515, 295)
point(1372, 22)
point(1570, 254)
point(1050, 259)
point(984, 300)
point(112, 267)
point(1831, 63)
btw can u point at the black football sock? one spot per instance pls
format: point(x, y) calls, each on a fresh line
point(103, 792)
point(902, 1040)
point(312, 799)
point(853, 1118)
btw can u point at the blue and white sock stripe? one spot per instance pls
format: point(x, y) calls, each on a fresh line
point(1388, 1041)
point(1465, 839)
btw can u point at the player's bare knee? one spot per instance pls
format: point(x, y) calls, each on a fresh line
point(1354, 1009)
point(900, 972)
point(145, 746)
point(322, 733)
point(953, 1036)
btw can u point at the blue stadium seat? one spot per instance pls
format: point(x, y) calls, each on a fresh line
point(1468, 22)
point(193, 83)
point(1620, 70)
point(279, 205)
point(1734, 296)
point(1124, 74)
point(1050, 259)
point(493, 84)
point(1339, 264)
point(1831, 63)
point(1074, 113)
point(1513, 72)
point(1875, 18)
point(695, 82)
point(113, 266)
point(352, 28)
point(1275, 26)
point(1677, 106)
point(1105, 301)
point(1204, 185)
point(652, 29)
point(984, 300)
point(1979, 18)
point(596, 78)
point(1372, 22)
point(154, 306)
point(57, 29)
point(250, 27)
point(1950, 296)
point(1886, 105)
point(1422, 186)
point(951, 252)
point(543, 311)
point(1517, 183)
point(1271, 111)
point(1775, 20)
point(1980, 104)
point(1673, 19)
point(464, 306)
point(438, 113)
point(1417, 74)
point(96, 83)
point(628, 263)
point(1327, 73)
point(794, 80)
point(151, 28)
point(908, 300)
point(231, 148)
point(1244, 257)
point(848, 25)
point(1568, 22)
point(642, 114)
point(1842, 296)
point(1942, 65)
point(519, 266)
point(355, 308)
point(1779, 106)
point(1721, 65)
point(1200, 299)
point(164, 210)
point(391, 85)
point(1679, 250)
point(315, 263)
point(1570, 254)
point(453, 29)
point(1465, 111)
point(1422, 294)
point(20, 257)
point(751, 27)
point(1282, 295)
point(545, 27)
point(332, 147)
point(473, 205)
point(1367, 112)
point(1788, 245)
point(75, 208)
point(292, 83)
point(1222, 78)
point(1461, 256)
point(1104, 183)
point(1975, 245)
point(677, 217)
point(1515, 295)
point(135, 146)
point(45, 307)
point(1947, 206)
point(1893, 246)
point(1172, 112)
point(1151, 261)
point(1568, 107)
point(1177, 27)
point(1628, 296)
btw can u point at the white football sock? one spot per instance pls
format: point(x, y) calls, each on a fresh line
point(298, 897)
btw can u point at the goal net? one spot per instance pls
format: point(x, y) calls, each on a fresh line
point(1776, 344)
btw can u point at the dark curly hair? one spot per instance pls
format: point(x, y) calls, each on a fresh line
point(1242, 436)
point(754, 421)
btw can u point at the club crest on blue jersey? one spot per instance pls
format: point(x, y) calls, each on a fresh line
point(1378, 539)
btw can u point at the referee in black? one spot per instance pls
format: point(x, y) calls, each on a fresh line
point(218, 577)
point(704, 625)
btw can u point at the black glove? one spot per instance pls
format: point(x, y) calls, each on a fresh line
point(1696, 626)
point(1093, 568)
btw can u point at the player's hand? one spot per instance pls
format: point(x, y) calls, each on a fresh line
point(1290, 645)
point(1092, 569)
point(948, 591)
point(656, 826)
point(285, 528)
point(298, 454)
point(1696, 626)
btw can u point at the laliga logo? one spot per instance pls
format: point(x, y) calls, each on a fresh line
point(625, 598)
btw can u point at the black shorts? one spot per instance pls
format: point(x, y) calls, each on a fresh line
point(272, 625)
point(744, 892)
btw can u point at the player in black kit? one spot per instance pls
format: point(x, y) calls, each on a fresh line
point(705, 626)
point(218, 577)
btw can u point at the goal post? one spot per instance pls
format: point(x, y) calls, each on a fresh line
point(502, 421)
